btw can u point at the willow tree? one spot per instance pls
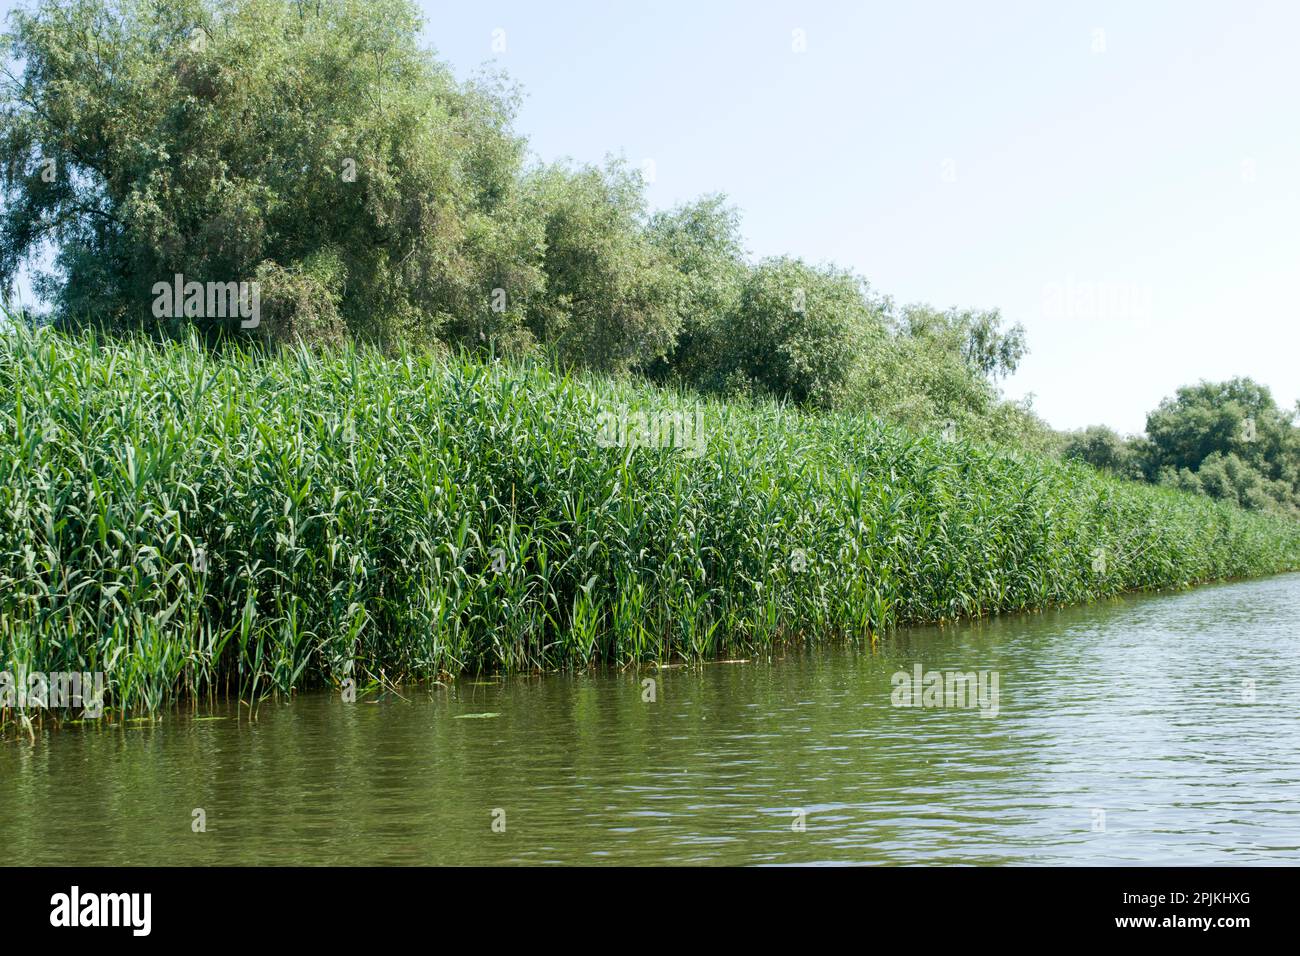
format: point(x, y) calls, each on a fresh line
point(609, 300)
point(314, 147)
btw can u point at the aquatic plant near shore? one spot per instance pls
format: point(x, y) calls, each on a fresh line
point(196, 524)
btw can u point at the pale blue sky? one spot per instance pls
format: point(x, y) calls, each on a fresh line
point(990, 154)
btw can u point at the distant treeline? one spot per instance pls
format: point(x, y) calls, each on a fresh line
point(1227, 440)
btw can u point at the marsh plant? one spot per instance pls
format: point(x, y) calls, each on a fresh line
point(194, 523)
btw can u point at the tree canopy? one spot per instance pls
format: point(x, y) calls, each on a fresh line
point(314, 146)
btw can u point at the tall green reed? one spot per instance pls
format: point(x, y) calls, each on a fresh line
point(196, 525)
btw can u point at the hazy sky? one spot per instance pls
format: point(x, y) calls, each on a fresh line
point(1121, 178)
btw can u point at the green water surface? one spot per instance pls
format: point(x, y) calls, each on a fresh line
point(1151, 730)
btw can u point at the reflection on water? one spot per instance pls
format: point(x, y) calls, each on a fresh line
point(1125, 733)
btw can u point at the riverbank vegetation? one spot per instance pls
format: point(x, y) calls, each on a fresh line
point(193, 523)
point(402, 466)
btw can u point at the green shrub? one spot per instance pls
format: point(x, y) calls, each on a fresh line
point(800, 332)
point(701, 242)
point(607, 304)
point(1103, 448)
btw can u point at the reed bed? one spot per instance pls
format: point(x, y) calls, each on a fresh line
point(194, 524)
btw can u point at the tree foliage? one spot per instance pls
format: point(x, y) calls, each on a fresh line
point(1104, 449)
point(1232, 438)
point(230, 139)
point(607, 302)
point(701, 242)
point(1227, 440)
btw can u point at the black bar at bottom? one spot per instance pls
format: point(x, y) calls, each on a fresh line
point(364, 906)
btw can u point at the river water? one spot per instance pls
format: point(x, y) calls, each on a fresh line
point(1158, 729)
